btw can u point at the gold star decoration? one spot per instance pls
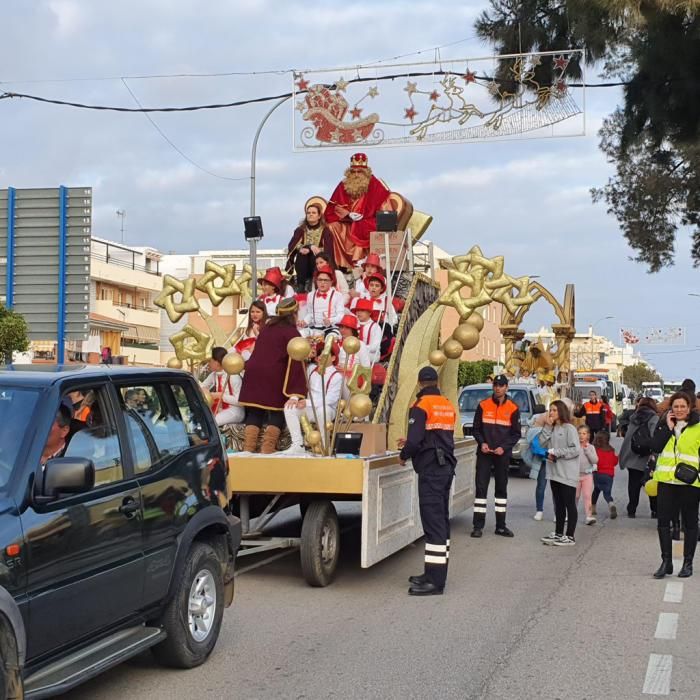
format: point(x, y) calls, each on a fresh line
point(360, 381)
point(410, 87)
point(341, 85)
point(487, 281)
point(191, 344)
point(226, 274)
point(166, 299)
point(373, 92)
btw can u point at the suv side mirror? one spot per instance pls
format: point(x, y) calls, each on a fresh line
point(65, 475)
point(539, 408)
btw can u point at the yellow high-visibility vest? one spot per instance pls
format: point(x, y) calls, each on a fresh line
point(686, 449)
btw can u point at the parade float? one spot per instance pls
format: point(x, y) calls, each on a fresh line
point(455, 101)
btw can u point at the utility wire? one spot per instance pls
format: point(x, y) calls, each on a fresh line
point(270, 98)
point(178, 150)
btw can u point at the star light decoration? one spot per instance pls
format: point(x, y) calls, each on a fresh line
point(229, 286)
point(469, 77)
point(191, 344)
point(486, 279)
point(166, 299)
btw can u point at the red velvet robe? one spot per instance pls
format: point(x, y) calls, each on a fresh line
point(368, 205)
point(271, 377)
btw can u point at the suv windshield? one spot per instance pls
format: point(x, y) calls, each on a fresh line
point(16, 411)
point(471, 398)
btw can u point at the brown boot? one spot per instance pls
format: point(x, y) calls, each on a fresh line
point(250, 438)
point(269, 441)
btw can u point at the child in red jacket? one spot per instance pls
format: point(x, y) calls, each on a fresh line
point(603, 478)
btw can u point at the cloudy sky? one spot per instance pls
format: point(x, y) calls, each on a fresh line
point(527, 200)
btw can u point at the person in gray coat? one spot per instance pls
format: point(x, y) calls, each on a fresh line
point(637, 464)
point(560, 438)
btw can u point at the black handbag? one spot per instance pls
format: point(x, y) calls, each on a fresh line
point(685, 473)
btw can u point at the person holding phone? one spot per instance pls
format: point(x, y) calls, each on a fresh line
point(676, 440)
point(560, 438)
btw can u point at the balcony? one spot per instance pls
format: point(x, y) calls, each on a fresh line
point(124, 274)
point(127, 314)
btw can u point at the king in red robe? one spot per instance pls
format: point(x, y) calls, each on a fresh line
point(352, 210)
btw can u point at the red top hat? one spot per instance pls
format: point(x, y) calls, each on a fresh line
point(325, 271)
point(350, 321)
point(379, 277)
point(373, 259)
point(273, 276)
point(359, 160)
point(364, 305)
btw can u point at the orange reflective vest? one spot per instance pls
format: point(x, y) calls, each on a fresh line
point(439, 412)
point(593, 408)
point(493, 414)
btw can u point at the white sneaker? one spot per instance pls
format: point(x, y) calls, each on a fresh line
point(564, 541)
point(294, 450)
point(548, 539)
point(539, 515)
point(591, 521)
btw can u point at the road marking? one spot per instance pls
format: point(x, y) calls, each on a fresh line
point(674, 592)
point(667, 626)
point(658, 678)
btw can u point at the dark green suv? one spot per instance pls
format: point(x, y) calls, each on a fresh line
point(114, 524)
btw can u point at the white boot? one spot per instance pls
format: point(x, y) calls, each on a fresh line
point(291, 415)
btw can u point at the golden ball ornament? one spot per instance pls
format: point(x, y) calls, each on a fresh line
point(298, 349)
point(346, 414)
point(452, 349)
point(476, 320)
point(329, 426)
point(360, 405)
point(342, 404)
point(208, 397)
point(466, 335)
point(233, 363)
point(652, 488)
point(351, 345)
point(174, 363)
point(314, 438)
point(437, 358)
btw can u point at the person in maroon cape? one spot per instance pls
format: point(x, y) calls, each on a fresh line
point(352, 210)
point(271, 378)
point(310, 238)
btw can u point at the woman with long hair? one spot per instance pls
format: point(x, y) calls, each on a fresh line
point(676, 440)
point(257, 318)
point(560, 438)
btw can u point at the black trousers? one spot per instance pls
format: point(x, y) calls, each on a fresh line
point(500, 465)
point(635, 481)
point(434, 501)
point(686, 499)
point(304, 267)
point(257, 416)
point(565, 509)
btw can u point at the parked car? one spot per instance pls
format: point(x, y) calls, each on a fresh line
point(524, 395)
point(118, 542)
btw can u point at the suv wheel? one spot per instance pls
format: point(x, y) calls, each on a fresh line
point(193, 617)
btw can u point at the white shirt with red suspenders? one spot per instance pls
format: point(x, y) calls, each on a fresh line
point(320, 304)
point(333, 379)
point(226, 410)
point(274, 299)
point(371, 336)
point(384, 308)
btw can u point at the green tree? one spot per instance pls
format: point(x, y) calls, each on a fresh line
point(634, 375)
point(653, 46)
point(474, 372)
point(13, 334)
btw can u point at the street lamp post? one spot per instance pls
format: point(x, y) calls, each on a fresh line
point(253, 156)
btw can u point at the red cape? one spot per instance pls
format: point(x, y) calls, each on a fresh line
point(368, 205)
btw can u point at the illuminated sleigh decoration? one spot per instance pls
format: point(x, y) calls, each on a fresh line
point(326, 111)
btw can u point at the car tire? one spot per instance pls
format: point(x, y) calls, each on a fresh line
point(320, 543)
point(192, 620)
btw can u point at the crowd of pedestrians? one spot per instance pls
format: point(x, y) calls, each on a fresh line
point(660, 452)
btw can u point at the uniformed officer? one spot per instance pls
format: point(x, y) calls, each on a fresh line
point(430, 445)
point(496, 431)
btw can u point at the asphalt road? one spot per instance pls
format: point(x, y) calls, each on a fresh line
point(518, 620)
